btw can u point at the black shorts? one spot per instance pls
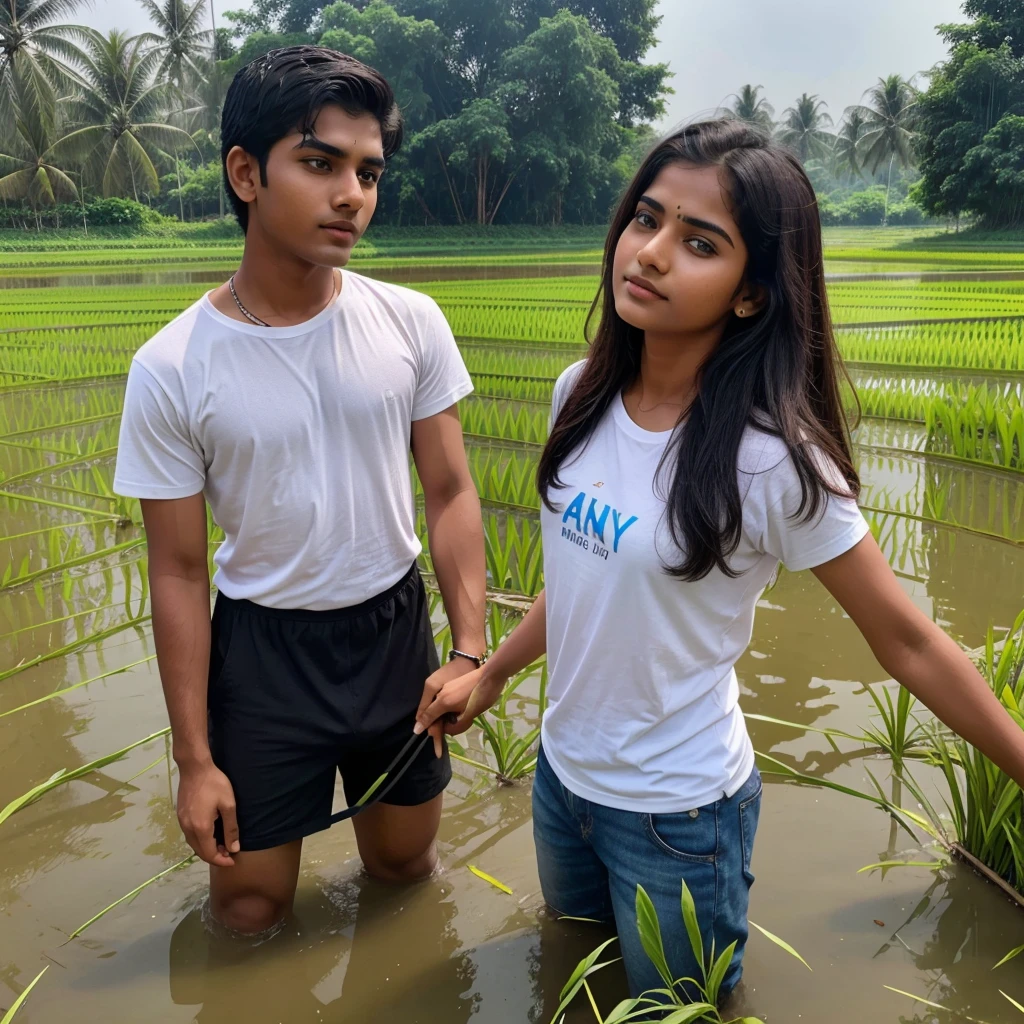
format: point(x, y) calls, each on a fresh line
point(295, 696)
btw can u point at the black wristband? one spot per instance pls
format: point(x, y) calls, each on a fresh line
point(477, 660)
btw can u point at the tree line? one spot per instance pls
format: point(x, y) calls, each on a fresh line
point(517, 111)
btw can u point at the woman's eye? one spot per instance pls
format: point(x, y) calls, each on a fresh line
point(645, 219)
point(702, 246)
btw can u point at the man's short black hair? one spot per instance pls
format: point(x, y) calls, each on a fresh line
point(284, 90)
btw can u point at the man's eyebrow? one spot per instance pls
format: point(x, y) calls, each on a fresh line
point(312, 142)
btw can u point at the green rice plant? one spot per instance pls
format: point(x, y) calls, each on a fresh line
point(993, 345)
point(85, 682)
point(985, 807)
point(17, 1004)
point(515, 560)
point(129, 896)
point(511, 421)
point(505, 475)
point(671, 1003)
point(514, 753)
point(895, 735)
point(516, 362)
point(63, 776)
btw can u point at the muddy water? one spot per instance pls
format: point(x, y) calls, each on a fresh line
point(417, 274)
point(412, 274)
point(455, 949)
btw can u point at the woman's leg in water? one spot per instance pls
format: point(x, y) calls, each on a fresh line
point(710, 848)
point(572, 877)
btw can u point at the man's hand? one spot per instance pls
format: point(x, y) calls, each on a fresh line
point(203, 792)
point(462, 693)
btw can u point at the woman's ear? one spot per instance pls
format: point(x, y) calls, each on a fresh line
point(243, 173)
point(750, 301)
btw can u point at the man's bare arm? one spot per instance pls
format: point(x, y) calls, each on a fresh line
point(180, 592)
point(456, 534)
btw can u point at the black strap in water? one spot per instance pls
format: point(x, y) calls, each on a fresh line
point(388, 780)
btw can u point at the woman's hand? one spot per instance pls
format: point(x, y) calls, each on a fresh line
point(466, 696)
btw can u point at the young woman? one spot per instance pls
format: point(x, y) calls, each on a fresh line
point(700, 443)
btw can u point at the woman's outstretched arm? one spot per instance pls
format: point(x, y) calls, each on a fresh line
point(920, 656)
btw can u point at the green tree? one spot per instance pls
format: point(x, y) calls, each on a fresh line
point(28, 172)
point(969, 94)
point(181, 39)
point(404, 49)
point(804, 128)
point(498, 86)
point(993, 173)
point(121, 109)
point(750, 106)
point(562, 103)
point(36, 49)
point(475, 142)
point(889, 117)
point(482, 33)
point(850, 140)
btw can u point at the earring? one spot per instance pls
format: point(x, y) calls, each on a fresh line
point(741, 312)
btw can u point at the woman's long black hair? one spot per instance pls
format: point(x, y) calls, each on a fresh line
point(779, 371)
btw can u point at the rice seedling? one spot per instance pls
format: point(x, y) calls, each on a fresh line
point(485, 417)
point(682, 1000)
point(75, 686)
point(129, 896)
point(63, 776)
point(997, 345)
point(514, 752)
point(984, 804)
point(17, 1004)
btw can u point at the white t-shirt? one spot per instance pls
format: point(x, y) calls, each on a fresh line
point(643, 710)
point(298, 436)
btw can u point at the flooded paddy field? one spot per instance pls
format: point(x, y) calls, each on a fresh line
point(78, 683)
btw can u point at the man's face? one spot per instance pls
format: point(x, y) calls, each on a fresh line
point(321, 188)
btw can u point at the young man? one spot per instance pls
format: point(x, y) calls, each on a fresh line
point(289, 398)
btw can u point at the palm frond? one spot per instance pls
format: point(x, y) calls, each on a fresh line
point(15, 186)
point(45, 11)
point(129, 168)
point(61, 183)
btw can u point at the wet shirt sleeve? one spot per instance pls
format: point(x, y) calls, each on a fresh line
point(796, 541)
point(443, 378)
point(156, 455)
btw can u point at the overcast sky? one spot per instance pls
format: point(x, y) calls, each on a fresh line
point(836, 48)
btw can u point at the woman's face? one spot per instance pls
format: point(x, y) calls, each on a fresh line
point(680, 265)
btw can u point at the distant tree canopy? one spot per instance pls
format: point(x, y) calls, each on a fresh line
point(517, 110)
point(971, 119)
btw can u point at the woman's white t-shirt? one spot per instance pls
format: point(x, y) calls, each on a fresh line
point(643, 709)
point(298, 436)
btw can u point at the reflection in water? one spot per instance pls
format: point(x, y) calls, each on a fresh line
point(398, 273)
point(355, 951)
point(961, 912)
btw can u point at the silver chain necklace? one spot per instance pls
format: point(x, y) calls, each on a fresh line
point(241, 309)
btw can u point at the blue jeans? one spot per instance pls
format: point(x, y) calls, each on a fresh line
point(591, 859)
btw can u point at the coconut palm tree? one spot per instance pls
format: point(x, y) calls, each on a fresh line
point(27, 169)
point(40, 52)
point(748, 105)
point(179, 38)
point(850, 140)
point(120, 107)
point(889, 116)
point(27, 31)
point(804, 128)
